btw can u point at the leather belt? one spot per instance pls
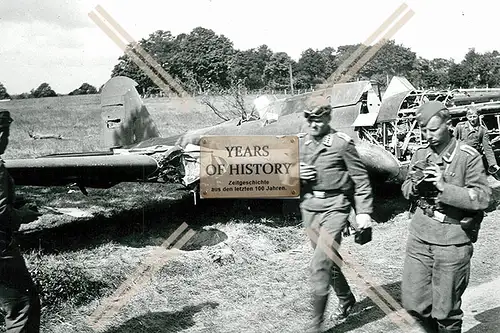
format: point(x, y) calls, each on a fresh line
point(326, 194)
point(431, 211)
point(442, 218)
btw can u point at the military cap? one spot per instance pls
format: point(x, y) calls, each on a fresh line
point(5, 118)
point(471, 108)
point(318, 111)
point(428, 110)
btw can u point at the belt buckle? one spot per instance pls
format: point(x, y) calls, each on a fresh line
point(319, 194)
point(438, 216)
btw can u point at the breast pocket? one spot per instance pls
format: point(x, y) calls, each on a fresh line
point(454, 177)
point(332, 160)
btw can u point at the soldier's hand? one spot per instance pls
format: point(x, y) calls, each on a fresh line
point(307, 172)
point(493, 169)
point(434, 176)
point(363, 221)
point(414, 176)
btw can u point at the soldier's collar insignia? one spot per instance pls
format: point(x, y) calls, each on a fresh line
point(328, 140)
point(450, 151)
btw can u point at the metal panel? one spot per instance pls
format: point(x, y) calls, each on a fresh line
point(390, 107)
point(344, 117)
point(397, 85)
point(102, 169)
point(115, 88)
point(343, 94)
point(365, 119)
point(298, 103)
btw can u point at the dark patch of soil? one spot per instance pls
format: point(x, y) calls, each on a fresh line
point(155, 222)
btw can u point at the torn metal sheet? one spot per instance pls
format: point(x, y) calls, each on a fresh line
point(299, 103)
point(343, 94)
point(365, 119)
point(390, 107)
point(397, 85)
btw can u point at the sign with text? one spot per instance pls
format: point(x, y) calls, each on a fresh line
point(257, 166)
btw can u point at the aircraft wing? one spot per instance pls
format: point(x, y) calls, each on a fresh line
point(162, 164)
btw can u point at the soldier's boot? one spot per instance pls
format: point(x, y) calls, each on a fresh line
point(319, 305)
point(449, 327)
point(344, 294)
point(344, 309)
point(448, 330)
point(429, 324)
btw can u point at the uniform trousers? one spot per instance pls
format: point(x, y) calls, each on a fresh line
point(18, 296)
point(434, 280)
point(327, 218)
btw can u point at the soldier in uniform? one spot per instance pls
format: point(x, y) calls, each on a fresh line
point(18, 296)
point(475, 135)
point(448, 181)
point(334, 180)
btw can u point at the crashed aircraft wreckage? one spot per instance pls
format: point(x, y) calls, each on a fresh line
point(384, 128)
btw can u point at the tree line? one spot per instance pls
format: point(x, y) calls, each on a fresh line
point(205, 62)
point(45, 90)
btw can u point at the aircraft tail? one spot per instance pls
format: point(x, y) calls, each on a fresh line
point(125, 119)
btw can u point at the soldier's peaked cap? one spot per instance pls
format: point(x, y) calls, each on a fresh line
point(428, 110)
point(5, 118)
point(318, 111)
point(471, 109)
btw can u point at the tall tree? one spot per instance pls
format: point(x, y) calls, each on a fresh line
point(390, 60)
point(329, 57)
point(488, 69)
point(43, 90)
point(85, 89)
point(311, 69)
point(248, 66)
point(159, 45)
point(203, 59)
point(277, 71)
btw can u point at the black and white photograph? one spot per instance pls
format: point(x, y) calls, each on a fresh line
point(220, 166)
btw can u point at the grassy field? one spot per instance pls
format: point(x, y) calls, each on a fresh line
point(244, 270)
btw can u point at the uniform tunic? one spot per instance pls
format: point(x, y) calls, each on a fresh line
point(18, 296)
point(342, 182)
point(8, 219)
point(477, 138)
point(437, 264)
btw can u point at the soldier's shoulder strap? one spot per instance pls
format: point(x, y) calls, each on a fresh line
point(344, 136)
point(328, 139)
point(468, 149)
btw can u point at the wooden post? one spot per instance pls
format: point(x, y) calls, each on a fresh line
point(291, 76)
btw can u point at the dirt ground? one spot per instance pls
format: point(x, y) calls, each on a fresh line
point(245, 270)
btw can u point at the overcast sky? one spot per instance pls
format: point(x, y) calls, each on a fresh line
point(56, 42)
